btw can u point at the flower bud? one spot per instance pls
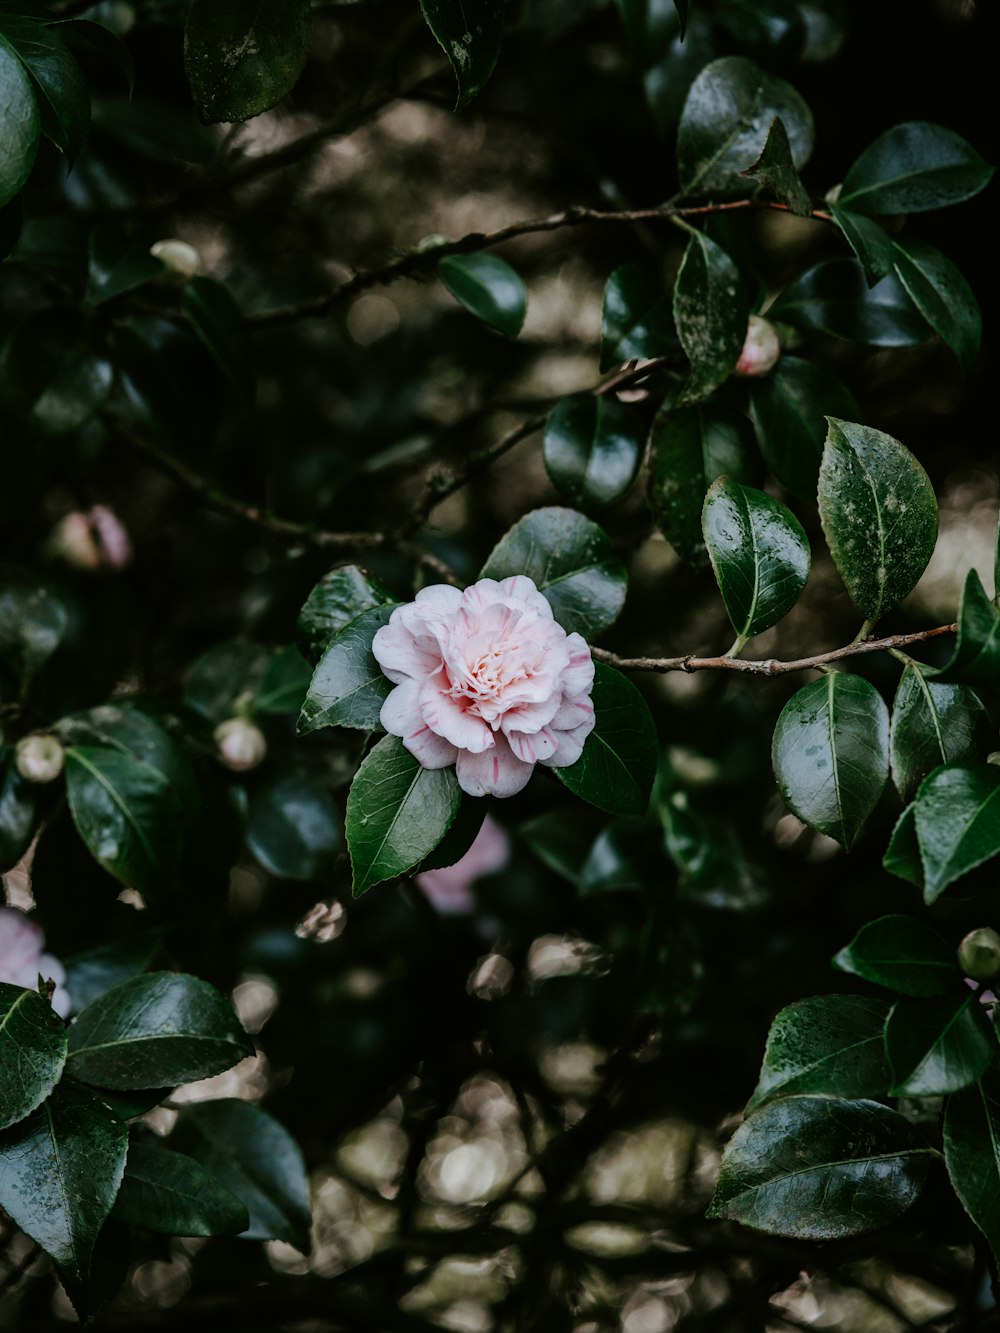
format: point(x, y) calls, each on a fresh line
point(760, 350)
point(39, 758)
point(95, 540)
point(833, 193)
point(180, 260)
point(241, 744)
point(979, 954)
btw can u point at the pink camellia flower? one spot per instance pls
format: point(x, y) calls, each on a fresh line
point(487, 680)
point(761, 348)
point(22, 959)
point(449, 888)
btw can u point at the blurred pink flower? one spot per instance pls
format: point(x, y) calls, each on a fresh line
point(761, 348)
point(487, 680)
point(22, 959)
point(449, 888)
point(94, 540)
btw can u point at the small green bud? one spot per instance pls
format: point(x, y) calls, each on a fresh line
point(241, 744)
point(979, 954)
point(39, 758)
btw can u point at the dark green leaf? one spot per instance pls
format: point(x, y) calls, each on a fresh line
point(218, 322)
point(976, 659)
point(788, 409)
point(116, 267)
point(63, 99)
point(902, 856)
point(570, 560)
point(105, 43)
point(92, 973)
point(470, 33)
point(942, 296)
point(869, 241)
point(154, 130)
point(32, 1052)
point(831, 754)
point(708, 853)
point(903, 953)
point(689, 448)
point(159, 1028)
point(711, 313)
point(464, 831)
point(729, 110)
point(54, 372)
point(489, 288)
point(834, 298)
point(284, 685)
point(759, 553)
point(958, 823)
point(775, 171)
point(637, 319)
point(21, 123)
point(168, 1192)
point(912, 168)
point(820, 1168)
point(559, 840)
point(879, 515)
point(592, 448)
point(256, 1158)
point(651, 26)
point(18, 812)
point(614, 862)
point(348, 687)
point(226, 678)
point(397, 813)
point(243, 56)
point(618, 764)
point(972, 1153)
point(938, 1045)
point(293, 828)
point(335, 601)
point(33, 623)
point(932, 724)
point(829, 1044)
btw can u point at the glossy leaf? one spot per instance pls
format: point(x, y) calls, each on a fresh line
point(942, 296)
point(218, 323)
point(759, 553)
point(32, 1052)
point(293, 827)
point(469, 33)
point(724, 125)
point(831, 754)
point(156, 1029)
point(903, 953)
point(257, 1159)
point(489, 288)
point(870, 242)
point(972, 1153)
point(133, 733)
point(976, 659)
point(932, 724)
point(54, 372)
point(637, 319)
point(91, 973)
point(335, 601)
point(829, 1044)
point(592, 448)
point(243, 56)
point(879, 515)
point(33, 623)
point(912, 168)
point(689, 448)
point(820, 1168)
point(168, 1192)
point(902, 856)
point(834, 298)
point(116, 267)
point(570, 560)
point(957, 818)
point(18, 812)
point(938, 1045)
point(348, 687)
point(283, 687)
point(397, 813)
point(775, 171)
point(63, 98)
point(464, 831)
point(21, 122)
point(711, 313)
point(228, 675)
point(618, 764)
point(788, 409)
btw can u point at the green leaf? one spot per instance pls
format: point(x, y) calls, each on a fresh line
point(637, 318)
point(255, 1157)
point(489, 288)
point(972, 1153)
point(95, 971)
point(829, 1044)
point(942, 296)
point(869, 241)
point(133, 733)
point(614, 862)
point(932, 724)
point(18, 812)
point(469, 32)
point(284, 685)
point(976, 659)
point(725, 122)
point(59, 1173)
point(105, 43)
point(21, 123)
point(226, 678)
point(775, 171)
point(32, 1052)
point(820, 1168)
point(711, 312)
point(689, 448)
point(592, 448)
point(903, 953)
point(464, 831)
point(759, 553)
point(116, 267)
point(397, 813)
point(570, 560)
point(348, 687)
point(957, 818)
point(559, 841)
point(831, 754)
point(167, 1192)
point(63, 98)
point(834, 298)
point(156, 1029)
point(618, 764)
point(243, 56)
point(650, 26)
point(788, 409)
point(335, 601)
point(912, 168)
point(293, 827)
point(33, 623)
point(879, 515)
point(54, 372)
point(902, 856)
point(218, 322)
point(938, 1045)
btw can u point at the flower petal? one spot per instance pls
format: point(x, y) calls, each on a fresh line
point(447, 716)
point(403, 655)
point(570, 745)
point(572, 713)
point(400, 712)
point(497, 772)
point(429, 749)
point(532, 747)
point(578, 678)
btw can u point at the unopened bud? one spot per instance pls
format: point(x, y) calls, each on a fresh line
point(39, 758)
point(241, 744)
point(833, 194)
point(979, 954)
point(180, 260)
point(761, 349)
point(94, 540)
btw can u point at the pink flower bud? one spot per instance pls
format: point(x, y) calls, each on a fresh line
point(241, 744)
point(22, 960)
point(94, 540)
point(112, 539)
point(180, 260)
point(39, 758)
point(760, 350)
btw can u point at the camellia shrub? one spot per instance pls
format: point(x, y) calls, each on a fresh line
point(499, 660)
